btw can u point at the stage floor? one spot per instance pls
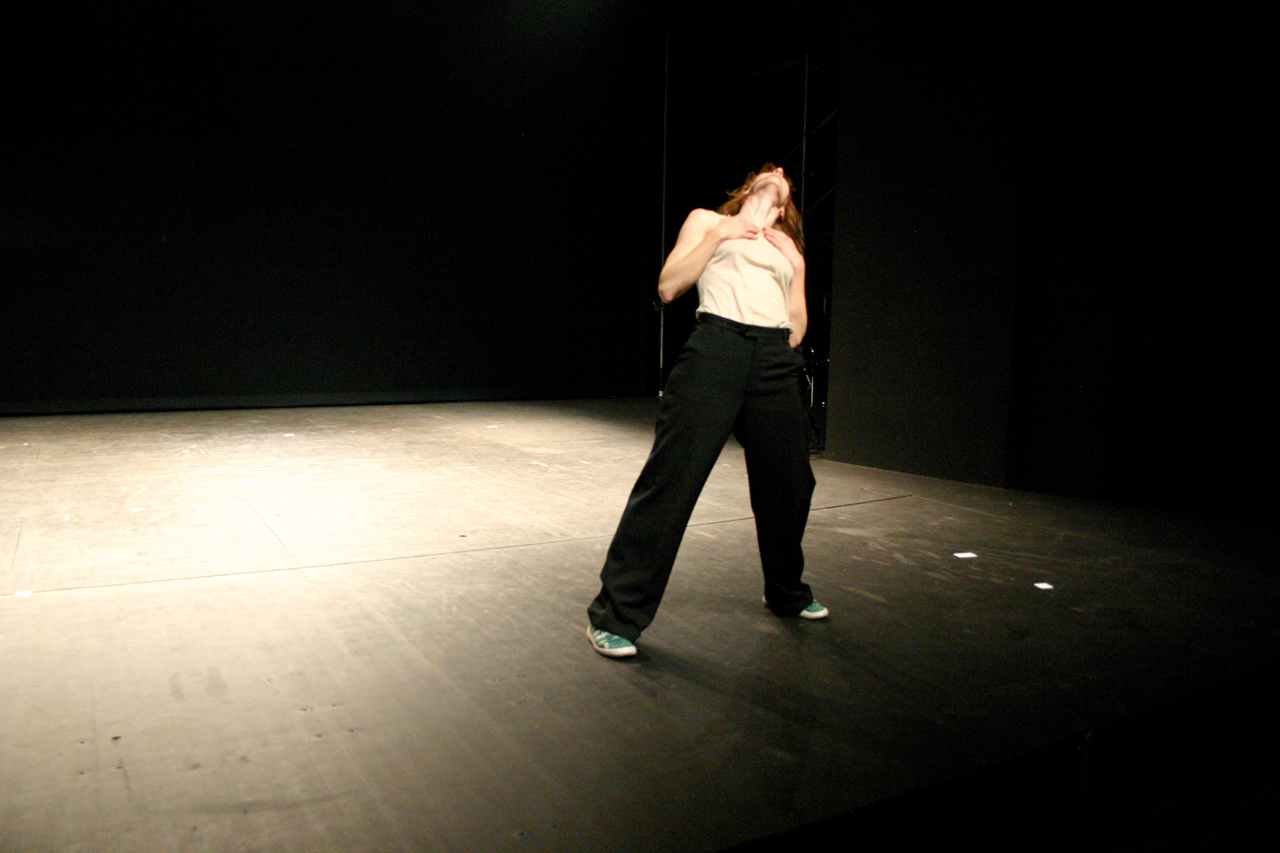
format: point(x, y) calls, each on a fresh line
point(363, 629)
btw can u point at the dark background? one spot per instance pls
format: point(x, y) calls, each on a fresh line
point(234, 204)
point(1026, 231)
point(1043, 278)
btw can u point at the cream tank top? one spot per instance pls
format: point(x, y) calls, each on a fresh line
point(747, 281)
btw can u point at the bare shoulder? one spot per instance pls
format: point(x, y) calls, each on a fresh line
point(698, 223)
point(702, 216)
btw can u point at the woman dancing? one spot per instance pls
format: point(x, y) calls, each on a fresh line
point(738, 373)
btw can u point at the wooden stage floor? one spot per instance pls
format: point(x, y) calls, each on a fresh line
point(362, 628)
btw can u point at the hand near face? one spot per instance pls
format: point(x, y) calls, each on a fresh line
point(785, 245)
point(734, 228)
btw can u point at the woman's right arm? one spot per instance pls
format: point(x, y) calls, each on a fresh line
point(703, 231)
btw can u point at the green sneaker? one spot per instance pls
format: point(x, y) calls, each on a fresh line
point(815, 611)
point(610, 645)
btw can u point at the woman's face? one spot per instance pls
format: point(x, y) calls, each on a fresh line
point(774, 178)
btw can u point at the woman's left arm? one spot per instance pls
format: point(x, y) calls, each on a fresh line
point(797, 308)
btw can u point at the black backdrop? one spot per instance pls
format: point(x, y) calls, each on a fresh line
point(234, 204)
point(1045, 275)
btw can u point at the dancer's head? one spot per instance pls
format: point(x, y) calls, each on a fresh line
point(770, 176)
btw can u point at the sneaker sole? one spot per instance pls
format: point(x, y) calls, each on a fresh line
point(805, 614)
point(626, 652)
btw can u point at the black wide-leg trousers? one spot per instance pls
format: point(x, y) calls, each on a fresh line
point(730, 378)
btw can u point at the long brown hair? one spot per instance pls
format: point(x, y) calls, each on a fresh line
point(788, 223)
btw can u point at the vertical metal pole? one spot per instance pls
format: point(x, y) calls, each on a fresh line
point(804, 141)
point(662, 217)
point(804, 196)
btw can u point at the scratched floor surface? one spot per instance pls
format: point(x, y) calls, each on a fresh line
point(362, 629)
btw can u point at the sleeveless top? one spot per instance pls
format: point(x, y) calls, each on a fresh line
point(747, 281)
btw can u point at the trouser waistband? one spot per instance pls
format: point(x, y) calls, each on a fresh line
point(744, 329)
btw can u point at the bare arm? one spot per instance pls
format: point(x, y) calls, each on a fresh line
point(797, 308)
point(702, 233)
